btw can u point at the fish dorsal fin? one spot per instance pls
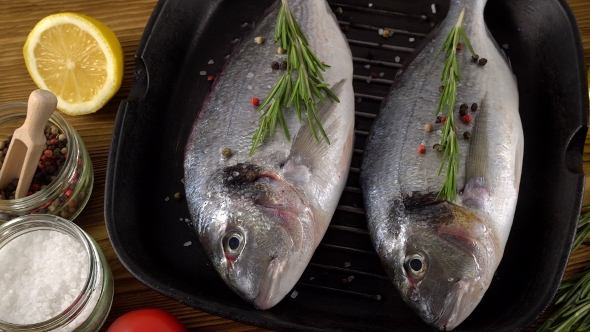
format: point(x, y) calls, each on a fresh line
point(476, 189)
point(305, 148)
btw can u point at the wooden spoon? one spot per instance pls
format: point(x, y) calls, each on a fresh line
point(28, 143)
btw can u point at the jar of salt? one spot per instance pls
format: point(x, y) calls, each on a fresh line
point(53, 277)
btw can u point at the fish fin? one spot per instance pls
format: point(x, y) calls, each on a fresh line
point(416, 200)
point(476, 190)
point(518, 164)
point(306, 150)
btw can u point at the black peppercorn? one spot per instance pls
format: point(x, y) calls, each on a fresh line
point(473, 107)
point(466, 135)
point(284, 65)
point(475, 57)
point(482, 61)
point(275, 65)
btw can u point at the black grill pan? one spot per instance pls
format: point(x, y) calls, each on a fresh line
point(344, 287)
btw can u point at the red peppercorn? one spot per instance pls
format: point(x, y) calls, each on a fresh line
point(52, 141)
point(68, 192)
point(48, 153)
point(210, 78)
point(459, 46)
point(41, 165)
point(29, 193)
point(466, 119)
point(422, 149)
point(35, 187)
point(255, 101)
point(443, 119)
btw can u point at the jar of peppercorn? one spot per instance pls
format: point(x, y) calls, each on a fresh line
point(64, 177)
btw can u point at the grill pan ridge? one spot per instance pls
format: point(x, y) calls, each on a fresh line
point(344, 288)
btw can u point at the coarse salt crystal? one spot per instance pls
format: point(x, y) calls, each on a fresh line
point(367, 66)
point(211, 62)
point(346, 264)
point(350, 278)
point(505, 46)
point(381, 74)
point(49, 271)
point(249, 87)
point(369, 79)
point(202, 73)
point(433, 8)
point(370, 5)
point(397, 59)
point(166, 199)
point(250, 75)
point(294, 294)
point(358, 100)
point(188, 243)
point(380, 32)
point(411, 39)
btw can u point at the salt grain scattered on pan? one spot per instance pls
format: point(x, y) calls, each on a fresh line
point(380, 32)
point(181, 219)
point(350, 278)
point(167, 199)
point(245, 24)
point(187, 220)
point(235, 40)
point(188, 243)
point(226, 56)
point(397, 59)
point(250, 75)
point(346, 264)
point(367, 66)
point(433, 8)
point(249, 87)
point(381, 74)
point(358, 100)
point(370, 5)
point(268, 86)
point(211, 62)
point(203, 73)
point(182, 180)
point(505, 46)
point(294, 294)
point(369, 79)
point(412, 39)
point(311, 278)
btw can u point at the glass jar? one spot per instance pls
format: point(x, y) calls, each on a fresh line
point(69, 192)
point(90, 307)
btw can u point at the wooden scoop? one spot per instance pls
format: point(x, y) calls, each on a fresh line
point(28, 143)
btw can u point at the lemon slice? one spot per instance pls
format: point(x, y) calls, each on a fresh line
point(77, 58)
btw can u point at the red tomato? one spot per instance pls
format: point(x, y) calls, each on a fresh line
point(147, 320)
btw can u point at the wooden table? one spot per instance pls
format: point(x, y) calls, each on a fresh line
point(17, 18)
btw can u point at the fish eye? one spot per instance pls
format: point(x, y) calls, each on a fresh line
point(233, 243)
point(416, 265)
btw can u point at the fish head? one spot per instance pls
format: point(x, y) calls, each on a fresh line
point(446, 263)
point(256, 234)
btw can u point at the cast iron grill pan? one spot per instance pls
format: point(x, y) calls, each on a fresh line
point(344, 287)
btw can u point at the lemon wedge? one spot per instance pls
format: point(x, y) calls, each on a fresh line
point(76, 57)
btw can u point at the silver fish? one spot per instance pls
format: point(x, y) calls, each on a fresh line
point(442, 255)
point(260, 217)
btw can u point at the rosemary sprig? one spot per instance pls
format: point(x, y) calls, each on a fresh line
point(573, 295)
point(446, 105)
point(303, 92)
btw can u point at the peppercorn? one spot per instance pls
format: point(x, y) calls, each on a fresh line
point(210, 78)
point(466, 119)
point(459, 46)
point(259, 40)
point(275, 65)
point(482, 61)
point(177, 196)
point(443, 119)
point(422, 149)
point(473, 107)
point(462, 111)
point(386, 33)
point(428, 127)
point(475, 57)
point(441, 88)
point(438, 119)
point(339, 11)
point(226, 152)
point(466, 135)
point(254, 101)
point(436, 147)
point(281, 50)
point(284, 65)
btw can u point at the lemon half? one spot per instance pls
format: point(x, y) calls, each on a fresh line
point(76, 57)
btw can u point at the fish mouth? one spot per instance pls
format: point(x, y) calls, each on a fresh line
point(457, 307)
point(267, 295)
